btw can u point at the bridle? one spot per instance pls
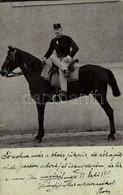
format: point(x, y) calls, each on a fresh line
point(14, 74)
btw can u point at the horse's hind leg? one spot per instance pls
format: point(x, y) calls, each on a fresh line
point(40, 108)
point(109, 111)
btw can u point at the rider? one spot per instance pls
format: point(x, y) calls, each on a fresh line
point(61, 51)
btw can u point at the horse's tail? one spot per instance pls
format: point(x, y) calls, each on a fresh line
point(113, 83)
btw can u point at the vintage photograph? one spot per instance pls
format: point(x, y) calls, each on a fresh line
point(61, 69)
point(61, 102)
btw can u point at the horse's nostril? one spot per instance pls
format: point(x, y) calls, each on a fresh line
point(3, 72)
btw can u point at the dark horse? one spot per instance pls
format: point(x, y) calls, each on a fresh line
point(92, 79)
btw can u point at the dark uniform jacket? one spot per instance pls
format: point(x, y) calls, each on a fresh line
point(64, 46)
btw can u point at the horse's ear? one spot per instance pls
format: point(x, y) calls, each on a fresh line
point(11, 48)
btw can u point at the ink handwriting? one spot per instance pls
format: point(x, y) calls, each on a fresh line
point(59, 169)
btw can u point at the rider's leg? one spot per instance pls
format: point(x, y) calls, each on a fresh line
point(63, 81)
point(60, 64)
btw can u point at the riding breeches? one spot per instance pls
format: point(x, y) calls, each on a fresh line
point(62, 66)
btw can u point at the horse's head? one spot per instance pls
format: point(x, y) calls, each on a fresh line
point(10, 62)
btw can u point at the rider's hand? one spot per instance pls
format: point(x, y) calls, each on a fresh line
point(67, 59)
point(44, 60)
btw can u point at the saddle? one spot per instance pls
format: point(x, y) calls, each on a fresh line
point(52, 73)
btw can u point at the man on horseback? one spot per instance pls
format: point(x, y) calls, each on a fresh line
point(61, 52)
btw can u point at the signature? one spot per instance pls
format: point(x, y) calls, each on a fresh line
point(103, 191)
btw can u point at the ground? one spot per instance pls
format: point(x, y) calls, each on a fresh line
point(74, 138)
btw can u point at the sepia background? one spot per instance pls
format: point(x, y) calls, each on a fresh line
point(97, 28)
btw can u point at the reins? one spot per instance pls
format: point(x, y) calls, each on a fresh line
point(14, 74)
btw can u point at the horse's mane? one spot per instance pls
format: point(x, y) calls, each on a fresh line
point(27, 54)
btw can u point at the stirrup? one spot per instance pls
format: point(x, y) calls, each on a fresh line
point(63, 95)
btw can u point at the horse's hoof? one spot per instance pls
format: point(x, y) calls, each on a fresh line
point(38, 139)
point(111, 138)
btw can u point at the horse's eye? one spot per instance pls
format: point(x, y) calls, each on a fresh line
point(9, 57)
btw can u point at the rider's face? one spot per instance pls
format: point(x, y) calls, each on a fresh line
point(58, 32)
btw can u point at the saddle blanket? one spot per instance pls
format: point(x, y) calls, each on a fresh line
point(53, 76)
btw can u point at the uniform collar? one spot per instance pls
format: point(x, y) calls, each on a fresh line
point(60, 36)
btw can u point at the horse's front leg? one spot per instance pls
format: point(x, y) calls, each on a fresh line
point(40, 109)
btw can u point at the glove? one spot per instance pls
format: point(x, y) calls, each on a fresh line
point(67, 59)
